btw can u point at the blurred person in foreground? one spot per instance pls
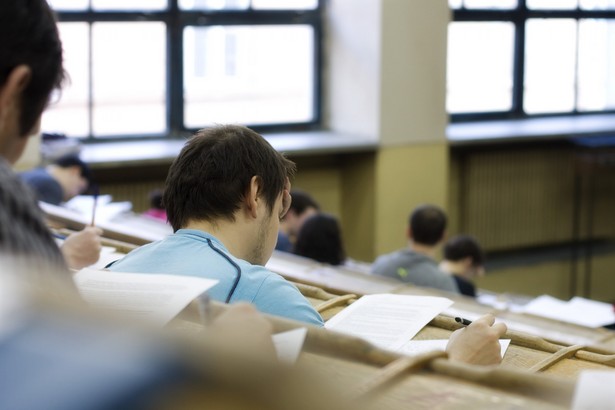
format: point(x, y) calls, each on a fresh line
point(30, 69)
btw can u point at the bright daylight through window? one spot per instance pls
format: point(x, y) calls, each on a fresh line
point(157, 68)
point(515, 59)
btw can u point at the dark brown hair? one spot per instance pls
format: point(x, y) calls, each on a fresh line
point(320, 238)
point(29, 35)
point(212, 174)
point(427, 224)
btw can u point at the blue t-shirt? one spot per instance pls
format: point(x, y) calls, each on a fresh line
point(196, 253)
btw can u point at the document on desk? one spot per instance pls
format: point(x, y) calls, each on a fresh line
point(417, 347)
point(579, 311)
point(388, 321)
point(154, 298)
point(594, 390)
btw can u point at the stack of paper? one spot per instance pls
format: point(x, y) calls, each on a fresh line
point(579, 311)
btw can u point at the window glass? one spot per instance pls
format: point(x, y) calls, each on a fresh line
point(68, 109)
point(550, 58)
point(479, 67)
point(596, 83)
point(129, 4)
point(285, 4)
point(129, 70)
point(552, 4)
point(214, 4)
point(491, 4)
point(597, 4)
point(248, 74)
point(61, 5)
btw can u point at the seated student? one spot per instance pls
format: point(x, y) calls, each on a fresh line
point(65, 178)
point(225, 195)
point(156, 210)
point(320, 238)
point(416, 264)
point(463, 258)
point(302, 207)
point(30, 69)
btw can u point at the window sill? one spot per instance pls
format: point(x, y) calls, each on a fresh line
point(529, 130)
point(154, 152)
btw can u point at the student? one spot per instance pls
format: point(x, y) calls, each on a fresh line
point(416, 264)
point(225, 195)
point(302, 207)
point(464, 259)
point(65, 178)
point(30, 69)
point(156, 210)
point(320, 238)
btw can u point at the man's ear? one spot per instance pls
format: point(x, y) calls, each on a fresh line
point(253, 197)
point(10, 92)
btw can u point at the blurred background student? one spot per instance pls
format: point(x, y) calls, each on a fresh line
point(65, 178)
point(156, 210)
point(320, 238)
point(464, 259)
point(302, 207)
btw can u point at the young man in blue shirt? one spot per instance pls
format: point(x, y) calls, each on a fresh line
point(225, 196)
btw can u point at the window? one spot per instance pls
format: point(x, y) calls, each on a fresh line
point(158, 68)
point(523, 58)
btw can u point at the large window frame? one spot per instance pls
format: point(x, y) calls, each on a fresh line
point(518, 17)
point(176, 20)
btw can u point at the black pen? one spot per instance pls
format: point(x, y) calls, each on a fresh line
point(463, 321)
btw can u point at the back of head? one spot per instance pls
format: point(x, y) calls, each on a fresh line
point(427, 224)
point(73, 160)
point(302, 201)
point(462, 246)
point(29, 36)
point(320, 238)
point(212, 174)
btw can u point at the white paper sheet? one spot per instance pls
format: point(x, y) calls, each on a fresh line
point(594, 391)
point(388, 321)
point(578, 311)
point(152, 297)
point(288, 345)
point(416, 347)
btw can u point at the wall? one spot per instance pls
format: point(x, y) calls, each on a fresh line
point(386, 77)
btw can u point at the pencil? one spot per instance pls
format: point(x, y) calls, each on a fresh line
point(95, 196)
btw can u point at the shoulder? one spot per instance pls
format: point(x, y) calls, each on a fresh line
point(277, 296)
point(387, 259)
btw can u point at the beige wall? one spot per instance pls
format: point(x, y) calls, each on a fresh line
point(386, 78)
